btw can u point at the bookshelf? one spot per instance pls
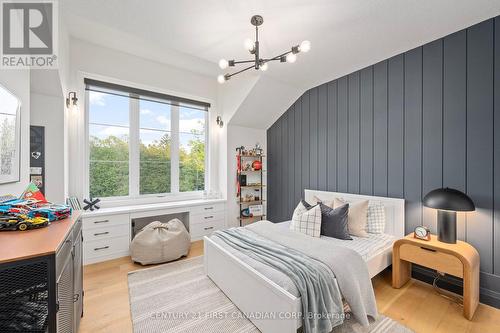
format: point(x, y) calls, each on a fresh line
point(250, 187)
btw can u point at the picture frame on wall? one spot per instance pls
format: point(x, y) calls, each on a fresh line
point(37, 156)
point(10, 137)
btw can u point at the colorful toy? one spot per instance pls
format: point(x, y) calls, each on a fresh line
point(21, 204)
point(6, 210)
point(52, 212)
point(7, 197)
point(21, 222)
point(30, 211)
point(33, 193)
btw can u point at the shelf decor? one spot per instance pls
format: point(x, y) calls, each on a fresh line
point(249, 184)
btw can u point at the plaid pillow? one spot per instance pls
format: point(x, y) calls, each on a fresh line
point(307, 221)
point(376, 218)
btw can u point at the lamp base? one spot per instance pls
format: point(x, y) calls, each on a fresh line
point(447, 226)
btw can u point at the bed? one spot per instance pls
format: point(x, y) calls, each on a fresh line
point(256, 293)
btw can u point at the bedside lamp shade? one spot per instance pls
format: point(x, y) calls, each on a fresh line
point(448, 201)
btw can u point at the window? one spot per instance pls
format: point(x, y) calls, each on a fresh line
point(155, 137)
point(109, 145)
point(144, 143)
point(192, 150)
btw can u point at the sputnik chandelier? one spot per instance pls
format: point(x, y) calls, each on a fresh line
point(258, 62)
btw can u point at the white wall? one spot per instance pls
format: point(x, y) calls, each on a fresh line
point(48, 111)
point(99, 62)
point(265, 103)
point(18, 82)
point(64, 77)
point(240, 136)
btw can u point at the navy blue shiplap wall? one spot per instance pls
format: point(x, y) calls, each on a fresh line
point(427, 118)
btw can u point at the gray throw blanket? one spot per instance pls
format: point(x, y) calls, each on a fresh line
point(347, 265)
point(322, 307)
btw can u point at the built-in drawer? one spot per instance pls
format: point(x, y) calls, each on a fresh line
point(217, 207)
point(428, 257)
point(108, 220)
point(107, 231)
point(103, 247)
point(205, 217)
point(205, 229)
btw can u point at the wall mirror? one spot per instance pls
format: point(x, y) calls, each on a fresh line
point(10, 136)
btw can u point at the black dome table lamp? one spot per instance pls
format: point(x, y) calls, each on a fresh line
point(448, 202)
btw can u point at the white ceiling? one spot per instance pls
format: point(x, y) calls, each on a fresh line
point(346, 35)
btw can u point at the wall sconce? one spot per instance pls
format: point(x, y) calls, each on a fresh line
point(219, 121)
point(71, 100)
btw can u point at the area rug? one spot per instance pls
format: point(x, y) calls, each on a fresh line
point(179, 298)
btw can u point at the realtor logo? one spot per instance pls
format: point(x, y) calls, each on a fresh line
point(29, 31)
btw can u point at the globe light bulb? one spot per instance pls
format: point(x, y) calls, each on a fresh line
point(291, 58)
point(249, 44)
point(305, 46)
point(264, 67)
point(223, 63)
point(221, 79)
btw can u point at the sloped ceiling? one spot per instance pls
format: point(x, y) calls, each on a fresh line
point(346, 35)
point(265, 103)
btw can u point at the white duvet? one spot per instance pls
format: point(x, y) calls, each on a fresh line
point(367, 247)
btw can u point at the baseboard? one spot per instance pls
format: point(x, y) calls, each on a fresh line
point(451, 283)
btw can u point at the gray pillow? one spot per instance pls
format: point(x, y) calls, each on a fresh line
point(334, 221)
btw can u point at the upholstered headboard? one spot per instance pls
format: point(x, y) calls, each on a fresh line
point(394, 208)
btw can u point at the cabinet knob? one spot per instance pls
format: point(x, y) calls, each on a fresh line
point(101, 233)
point(208, 228)
point(101, 248)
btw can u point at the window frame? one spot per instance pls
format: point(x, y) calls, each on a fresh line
point(134, 151)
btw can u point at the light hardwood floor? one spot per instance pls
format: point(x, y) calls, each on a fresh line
point(106, 306)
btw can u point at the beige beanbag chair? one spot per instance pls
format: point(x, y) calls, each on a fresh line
point(160, 242)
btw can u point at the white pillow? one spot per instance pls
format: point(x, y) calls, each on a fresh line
point(357, 216)
point(376, 218)
point(306, 221)
point(318, 200)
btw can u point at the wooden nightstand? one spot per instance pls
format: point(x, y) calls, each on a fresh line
point(460, 260)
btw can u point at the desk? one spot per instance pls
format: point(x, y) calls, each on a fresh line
point(107, 232)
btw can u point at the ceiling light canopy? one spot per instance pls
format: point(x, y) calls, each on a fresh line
point(258, 62)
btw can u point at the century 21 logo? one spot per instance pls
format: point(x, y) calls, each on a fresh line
point(27, 27)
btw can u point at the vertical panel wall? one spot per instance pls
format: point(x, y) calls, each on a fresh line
point(380, 129)
point(432, 122)
point(332, 136)
point(342, 134)
point(420, 120)
point(366, 131)
point(413, 138)
point(353, 146)
point(480, 139)
point(455, 116)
